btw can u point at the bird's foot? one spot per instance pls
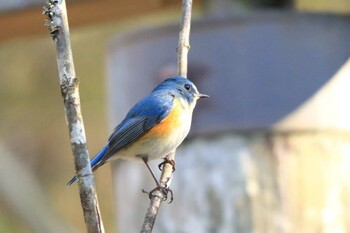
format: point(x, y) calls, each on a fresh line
point(164, 190)
point(166, 160)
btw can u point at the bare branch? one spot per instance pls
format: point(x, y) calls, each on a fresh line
point(184, 38)
point(166, 176)
point(158, 197)
point(57, 23)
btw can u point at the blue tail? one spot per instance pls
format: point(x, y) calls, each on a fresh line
point(94, 163)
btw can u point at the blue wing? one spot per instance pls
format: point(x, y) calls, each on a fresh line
point(141, 118)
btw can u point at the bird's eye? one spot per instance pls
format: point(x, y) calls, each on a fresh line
point(187, 87)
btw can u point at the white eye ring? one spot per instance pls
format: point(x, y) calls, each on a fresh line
point(187, 87)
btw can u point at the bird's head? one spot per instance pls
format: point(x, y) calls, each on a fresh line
point(182, 88)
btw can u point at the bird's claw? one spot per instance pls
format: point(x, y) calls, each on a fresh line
point(164, 190)
point(166, 160)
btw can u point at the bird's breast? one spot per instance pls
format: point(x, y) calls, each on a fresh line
point(162, 138)
point(168, 134)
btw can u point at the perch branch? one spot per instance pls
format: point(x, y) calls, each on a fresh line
point(57, 23)
point(167, 172)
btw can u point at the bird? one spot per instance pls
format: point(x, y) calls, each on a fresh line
point(154, 127)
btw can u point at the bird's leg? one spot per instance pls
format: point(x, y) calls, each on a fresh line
point(145, 160)
point(164, 189)
point(166, 160)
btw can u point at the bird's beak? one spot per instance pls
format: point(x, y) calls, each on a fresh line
point(202, 96)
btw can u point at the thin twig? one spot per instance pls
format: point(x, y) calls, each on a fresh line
point(166, 176)
point(184, 38)
point(57, 23)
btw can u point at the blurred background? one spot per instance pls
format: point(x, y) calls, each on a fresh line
point(287, 108)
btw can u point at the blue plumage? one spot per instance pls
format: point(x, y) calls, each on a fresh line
point(143, 116)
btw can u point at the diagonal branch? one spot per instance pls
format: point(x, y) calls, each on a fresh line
point(57, 23)
point(166, 176)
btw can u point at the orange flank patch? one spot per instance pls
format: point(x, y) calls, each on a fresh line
point(168, 124)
